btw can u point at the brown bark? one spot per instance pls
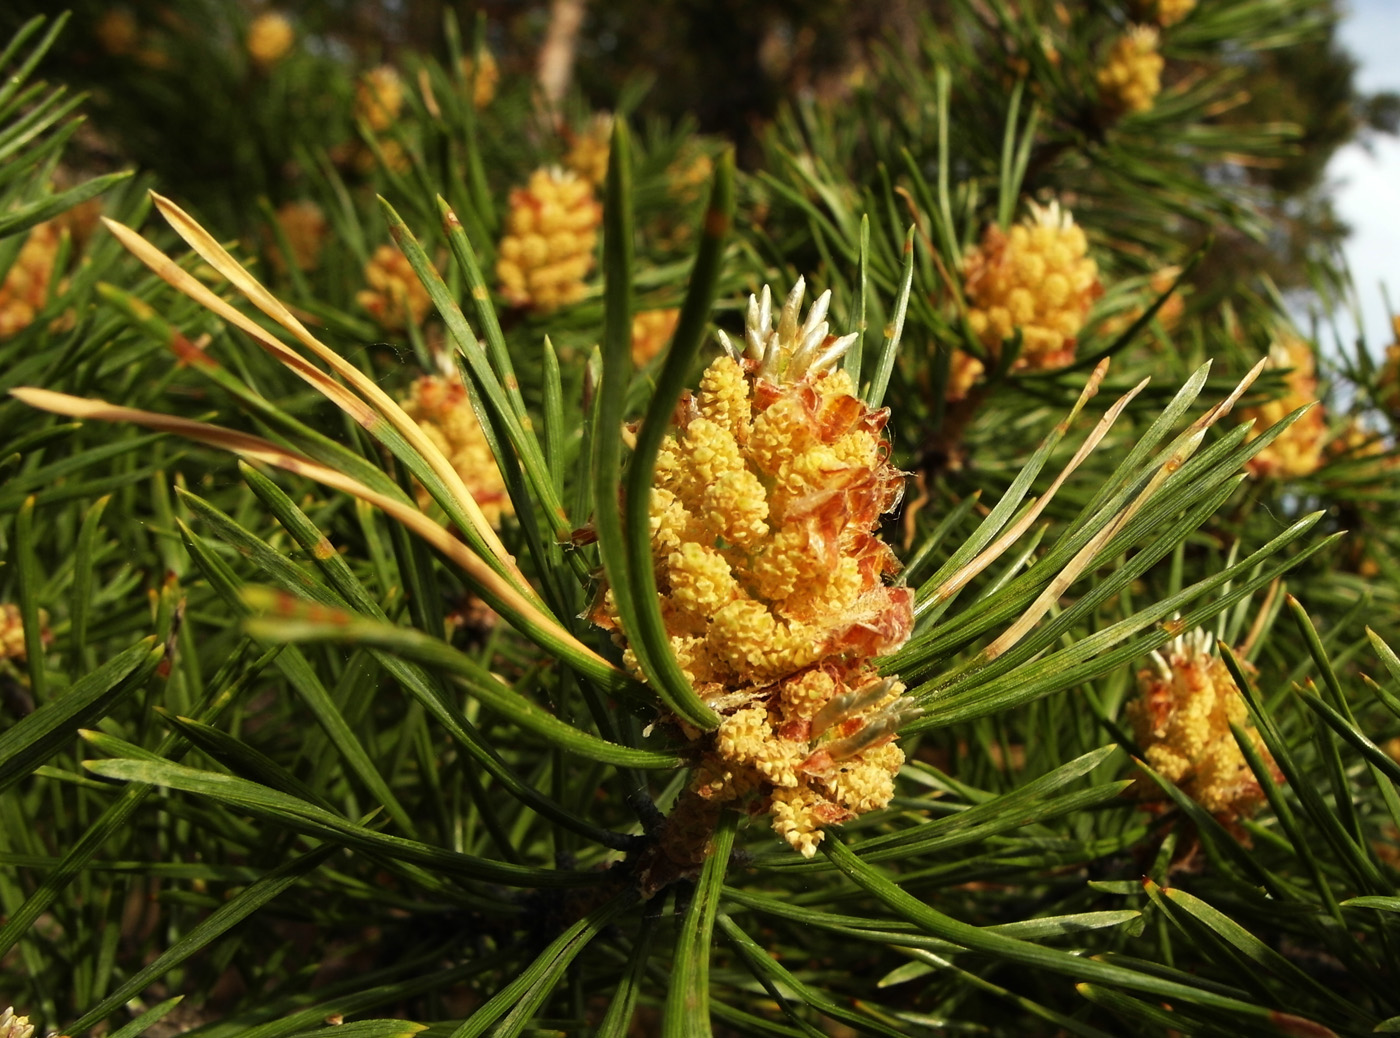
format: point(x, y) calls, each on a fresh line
point(559, 47)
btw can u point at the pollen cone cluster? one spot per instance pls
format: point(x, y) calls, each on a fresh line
point(484, 92)
point(440, 406)
point(1181, 720)
point(25, 289)
point(1036, 278)
point(379, 97)
point(12, 632)
point(270, 37)
point(651, 330)
point(588, 152)
point(1298, 450)
point(1355, 443)
point(764, 513)
point(1130, 80)
point(687, 177)
point(395, 297)
point(550, 237)
point(304, 225)
point(391, 156)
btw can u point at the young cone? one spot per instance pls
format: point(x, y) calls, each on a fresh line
point(1037, 279)
point(12, 632)
point(1130, 80)
point(439, 404)
point(25, 290)
point(395, 297)
point(764, 513)
point(1298, 450)
point(270, 37)
point(548, 247)
point(379, 97)
point(1181, 719)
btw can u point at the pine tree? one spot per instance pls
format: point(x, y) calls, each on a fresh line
point(477, 566)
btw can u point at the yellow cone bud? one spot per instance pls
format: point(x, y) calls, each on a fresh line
point(1130, 80)
point(440, 407)
point(687, 176)
point(270, 37)
point(768, 495)
point(1181, 721)
point(1165, 13)
point(379, 97)
point(1297, 451)
point(1036, 278)
point(651, 331)
point(395, 297)
point(964, 373)
point(484, 90)
point(25, 290)
point(12, 632)
point(588, 154)
point(551, 232)
point(304, 226)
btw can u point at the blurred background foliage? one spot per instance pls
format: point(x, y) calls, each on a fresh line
point(173, 89)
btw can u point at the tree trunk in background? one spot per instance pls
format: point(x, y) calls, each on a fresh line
point(560, 45)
